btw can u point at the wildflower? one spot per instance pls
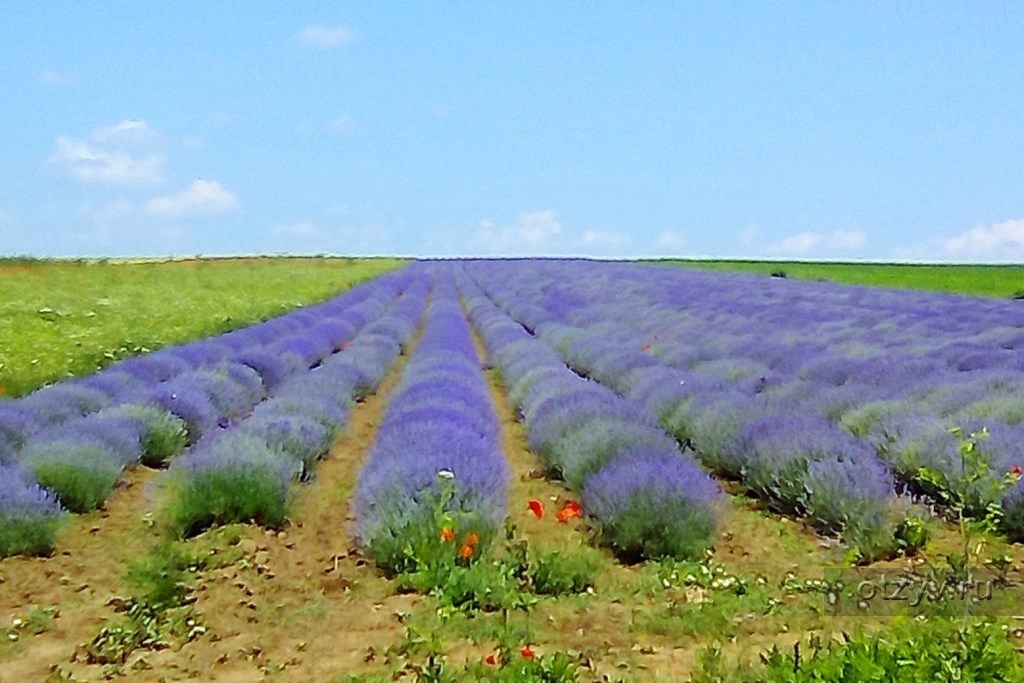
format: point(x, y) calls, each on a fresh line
point(491, 659)
point(1016, 471)
point(472, 539)
point(527, 652)
point(536, 507)
point(570, 510)
point(447, 534)
point(466, 552)
point(445, 474)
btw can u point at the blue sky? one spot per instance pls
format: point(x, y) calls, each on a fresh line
point(816, 130)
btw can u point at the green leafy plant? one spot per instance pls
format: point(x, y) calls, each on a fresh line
point(561, 572)
point(157, 611)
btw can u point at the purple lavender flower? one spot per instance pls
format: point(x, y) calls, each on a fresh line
point(17, 422)
point(653, 503)
point(849, 492)
point(80, 471)
point(772, 455)
point(236, 477)
point(29, 514)
point(273, 368)
point(187, 400)
point(121, 434)
point(115, 384)
point(158, 366)
point(302, 438)
point(302, 346)
point(59, 402)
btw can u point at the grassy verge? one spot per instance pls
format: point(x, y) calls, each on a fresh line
point(982, 280)
point(67, 318)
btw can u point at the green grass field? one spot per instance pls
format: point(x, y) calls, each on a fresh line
point(65, 318)
point(981, 280)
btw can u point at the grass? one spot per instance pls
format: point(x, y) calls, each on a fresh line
point(68, 318)
point(982, 280)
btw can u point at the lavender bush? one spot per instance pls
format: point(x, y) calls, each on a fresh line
point(29, 514)
point(80, 471)
point(650, 503)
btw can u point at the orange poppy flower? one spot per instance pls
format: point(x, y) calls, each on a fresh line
point(472, 539)
point(536, 507)
point(527, 652)
point(447, 535)
point(570, 510)
point(466, 551)
point(491, 659)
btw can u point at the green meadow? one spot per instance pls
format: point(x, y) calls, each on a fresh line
point(980, 280)
point(61, 318)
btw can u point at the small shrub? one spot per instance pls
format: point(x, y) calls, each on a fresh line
point(81, 475)
point(235, 479)
point(164, 435)
point(651, 504)
point(562, 573)
point(29, 514)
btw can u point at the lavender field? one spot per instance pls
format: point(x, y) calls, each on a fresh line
point(493, 450)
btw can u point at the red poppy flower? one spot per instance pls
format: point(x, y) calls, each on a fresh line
point(527, 652)
point(536, 507)
point(491, 659)
point(466, 552)
point(447, 535)
point(570, 510)
point(1016, 471)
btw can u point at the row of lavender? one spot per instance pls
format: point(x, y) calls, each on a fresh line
point(435, 472)
point(245, 473)
point(435, 468)
point(649, 498)
point(764, 400)
point(75, 438)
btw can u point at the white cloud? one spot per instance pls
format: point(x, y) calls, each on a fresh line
point(670, 239)
point(303, 230)
point(998, 242)
point(342, 124)
point(55, 77)
point(604, 239)
point(202, 197)
point(847, 240)
point(127, 153)
point(533, 232)
point(805, 242)
point(800, 243)
point(116, 210)
point(749, 236)
point(325, 36)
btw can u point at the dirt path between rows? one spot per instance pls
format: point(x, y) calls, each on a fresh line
point(295, 605)
point(300, 604)
point(87, 569)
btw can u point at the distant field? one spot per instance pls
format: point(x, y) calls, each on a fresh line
point(981, 280)
point(62, 318)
